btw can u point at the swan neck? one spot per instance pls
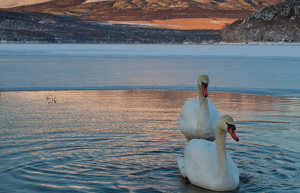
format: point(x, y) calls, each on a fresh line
point(203, 110)
point(202, 99)
point(221, 148)
point(204, 126)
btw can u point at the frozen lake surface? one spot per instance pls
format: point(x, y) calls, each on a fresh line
point(262, 69)
point(94, 118)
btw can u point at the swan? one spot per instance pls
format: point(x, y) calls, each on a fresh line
point(207, 164)
point(198, 119)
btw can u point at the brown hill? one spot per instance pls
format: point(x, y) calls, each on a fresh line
point(43, 28)
point(129, 10)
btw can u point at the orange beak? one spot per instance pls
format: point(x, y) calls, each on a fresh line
point(232, 133)
point(204, 90)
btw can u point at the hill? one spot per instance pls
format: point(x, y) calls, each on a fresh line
point(45, 28)
point(277, 23)
point(146, 10)
point(134, 21)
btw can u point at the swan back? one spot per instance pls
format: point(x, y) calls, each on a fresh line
point(189, 118)
point(214, 115)
point(201, 166)
point(195, 126)
point(207, 164)
point(198, 119)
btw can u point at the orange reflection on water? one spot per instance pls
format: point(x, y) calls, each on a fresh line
point(127, 137)
point(137, 107)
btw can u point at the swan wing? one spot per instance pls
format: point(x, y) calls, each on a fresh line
point(201, 162)
point(235, 180)
point(189, 117)
point(180, 162)
point(201, 167)
point(214, 114)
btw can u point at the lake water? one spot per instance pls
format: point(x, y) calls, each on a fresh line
point(126, 139)
point(263, 69)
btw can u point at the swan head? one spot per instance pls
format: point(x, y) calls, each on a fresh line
point(227, 124)
point(203, 82)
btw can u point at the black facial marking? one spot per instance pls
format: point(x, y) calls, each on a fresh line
point(204, 84)
point(232, 126)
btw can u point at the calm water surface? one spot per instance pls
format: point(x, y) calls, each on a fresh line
point(128, 140)
point(268, 69)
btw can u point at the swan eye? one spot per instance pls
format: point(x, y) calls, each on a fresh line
point(204, 84)
point(231, 126)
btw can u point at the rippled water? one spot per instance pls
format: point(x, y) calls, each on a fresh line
point(128, 140)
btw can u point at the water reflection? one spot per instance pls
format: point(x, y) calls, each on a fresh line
point(128, 140)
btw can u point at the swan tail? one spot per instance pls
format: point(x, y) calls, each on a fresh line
point(180, 162)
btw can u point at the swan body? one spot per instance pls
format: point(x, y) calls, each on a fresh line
point(207, 164)
point(198, 119)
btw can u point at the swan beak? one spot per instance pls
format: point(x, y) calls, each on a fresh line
point(204, 89)
point(231, 131)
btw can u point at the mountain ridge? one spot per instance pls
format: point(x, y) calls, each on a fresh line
point(277, 23)
point(140, 16)
point(146, 10)
point(147, 4)
point(45, 28)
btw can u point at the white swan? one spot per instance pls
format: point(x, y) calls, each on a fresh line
point(207, 164)
point(198, 119)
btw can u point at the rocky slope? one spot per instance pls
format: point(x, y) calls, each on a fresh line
point(44, 28)
point(67, 21)
point(126, 10)
point(280, 22)
point(148, 4)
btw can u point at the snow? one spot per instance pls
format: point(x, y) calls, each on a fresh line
point(16, 3)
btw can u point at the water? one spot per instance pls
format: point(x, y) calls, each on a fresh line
point(247, 68)
point(128, 140)
point(88, 123)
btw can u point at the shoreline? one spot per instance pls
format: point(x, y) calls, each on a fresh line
point(185, 43)
point(286, 93)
